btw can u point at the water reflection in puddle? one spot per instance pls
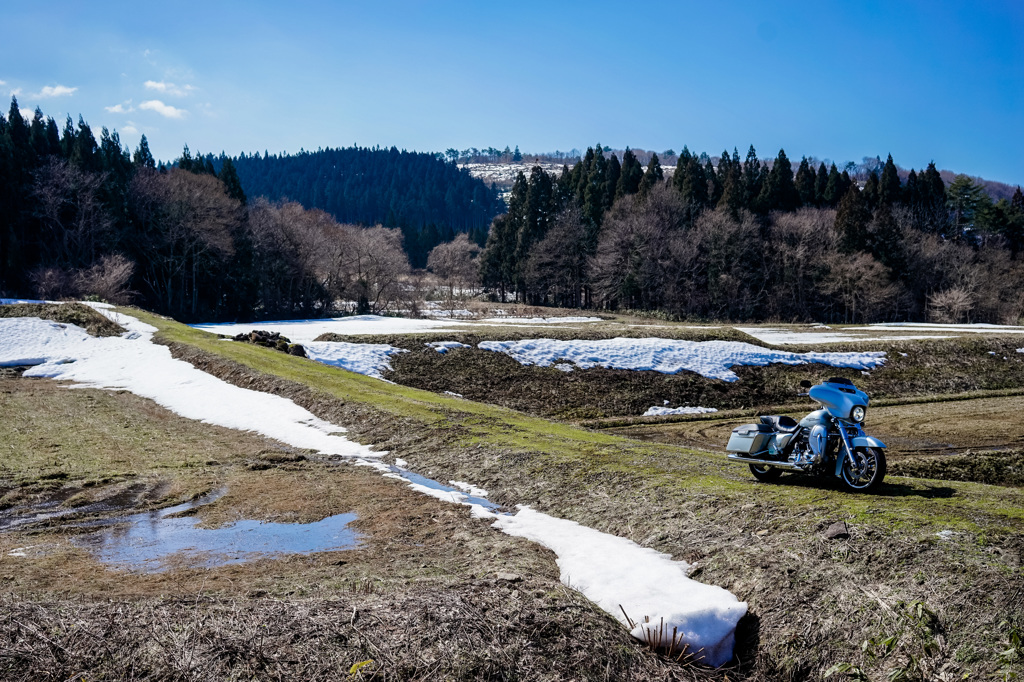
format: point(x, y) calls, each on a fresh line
point(151, 541)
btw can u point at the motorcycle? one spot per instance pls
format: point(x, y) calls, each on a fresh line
point(828, 441)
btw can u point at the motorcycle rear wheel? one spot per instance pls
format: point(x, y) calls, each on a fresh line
point(765, 473)
point(868, 472)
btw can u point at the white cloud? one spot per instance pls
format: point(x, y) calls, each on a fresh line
point(165, 110)
point(169, 88)
point(122, 108)
point(3, 82)
point(15, 92)
point(54, 91)
point(130, 129)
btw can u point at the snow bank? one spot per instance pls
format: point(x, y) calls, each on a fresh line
point(659, 411)
point(371, 359)
point(445, 346)
point(304, 331)
point(711, 359)
point(614, 572)
point(132, 362)
point(782, 337)
point(978, 328)
point(538, 320)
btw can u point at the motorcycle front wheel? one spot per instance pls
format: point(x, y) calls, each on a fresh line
point(765, 473)
point(867, 471)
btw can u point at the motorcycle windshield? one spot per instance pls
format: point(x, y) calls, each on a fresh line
point(839, 399)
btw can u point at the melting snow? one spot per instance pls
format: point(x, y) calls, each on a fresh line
point(539, 320)
point(445, 346)
point(783, 337)
point(371, 359)
point(304, 331)
point(611, 571)
point(132, 362)
point(659, 411)
point(711, 359)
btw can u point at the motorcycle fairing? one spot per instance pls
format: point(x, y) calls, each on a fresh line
point(867, 442)
point(838, 399)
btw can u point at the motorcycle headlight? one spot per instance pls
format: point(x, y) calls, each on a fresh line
point(858, 413)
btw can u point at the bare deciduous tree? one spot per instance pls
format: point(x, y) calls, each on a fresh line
point(457, 265)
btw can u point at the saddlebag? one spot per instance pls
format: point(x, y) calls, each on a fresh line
point(750, 439)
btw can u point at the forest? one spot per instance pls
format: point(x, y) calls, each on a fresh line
point(345, 230)
point(428, 199)
point(754, 240)
point(85, 217)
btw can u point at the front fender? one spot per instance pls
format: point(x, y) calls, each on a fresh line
point(866, 442)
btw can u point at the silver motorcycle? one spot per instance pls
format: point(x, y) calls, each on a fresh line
point(828, 441)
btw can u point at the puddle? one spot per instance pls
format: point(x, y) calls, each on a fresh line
point(445, 492)
point(154, 541)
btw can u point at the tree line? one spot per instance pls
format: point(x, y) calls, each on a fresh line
point(754, 239)
point(82, 218)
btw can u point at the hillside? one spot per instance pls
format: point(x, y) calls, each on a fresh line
point(929, 578)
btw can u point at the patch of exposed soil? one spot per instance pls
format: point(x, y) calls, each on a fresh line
point(65, 313)
point(813, 601)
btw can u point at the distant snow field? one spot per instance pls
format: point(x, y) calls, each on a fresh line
point(783, 337)
point(712, 359)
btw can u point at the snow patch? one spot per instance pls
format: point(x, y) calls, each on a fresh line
point(304, 331)
point(371, 359)
point(539, 320)
point(659, 411)
point(445, 346)
point(132, 362)
point(783, 337)
point(711, 359)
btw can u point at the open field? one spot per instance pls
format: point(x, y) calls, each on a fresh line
point(951, 600)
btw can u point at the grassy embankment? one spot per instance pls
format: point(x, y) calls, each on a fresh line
point(429, 594)
point(951, 601)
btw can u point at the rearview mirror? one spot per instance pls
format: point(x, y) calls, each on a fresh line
point(805, 384)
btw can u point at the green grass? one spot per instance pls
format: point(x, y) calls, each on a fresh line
point(567, 454)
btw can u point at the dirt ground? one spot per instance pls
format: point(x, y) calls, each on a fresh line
point(430, 593)
point(944, 606)
point(927, 585)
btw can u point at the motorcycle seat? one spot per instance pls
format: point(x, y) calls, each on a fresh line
point(781, 424)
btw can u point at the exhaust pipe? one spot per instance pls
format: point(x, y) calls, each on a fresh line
point(754, 460)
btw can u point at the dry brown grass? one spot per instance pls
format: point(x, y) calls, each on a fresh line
point(66, 313)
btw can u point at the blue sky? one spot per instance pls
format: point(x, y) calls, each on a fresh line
point(925, 81)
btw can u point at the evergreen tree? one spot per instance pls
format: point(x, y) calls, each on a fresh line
point(889, 190)
point(229, 176)
point(834, 191)
point(911, 191)
point(593, 194)
point(516, 155)
point(871, 191)
point(714, 185)
point(821, 185)
point(143, 158)
point(752, 179)
point(852, 218)
point(778, 192)
point(805, 183)
point(652, 176)
point(613, 174)
point(631, 175)
point(885, 240)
